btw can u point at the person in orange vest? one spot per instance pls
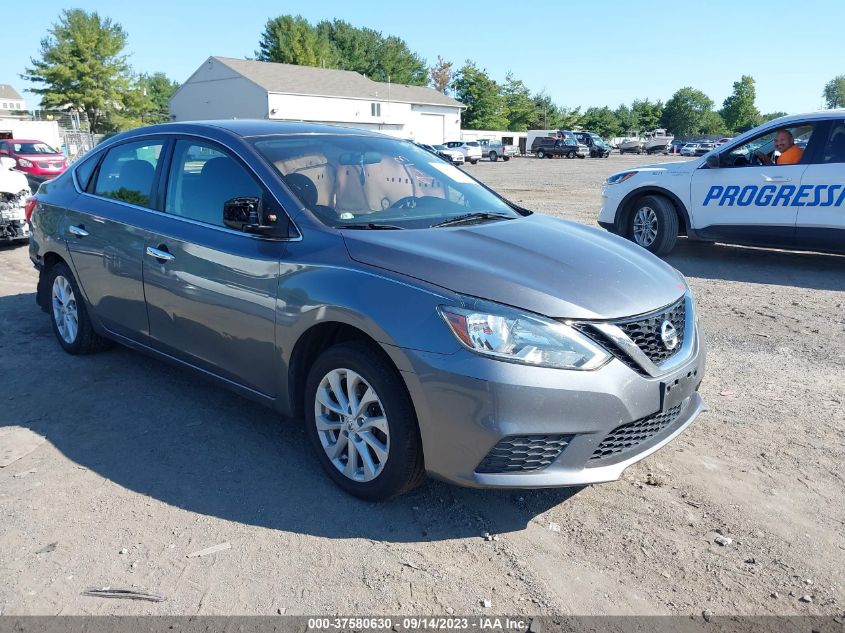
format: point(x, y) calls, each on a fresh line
point(790, 153)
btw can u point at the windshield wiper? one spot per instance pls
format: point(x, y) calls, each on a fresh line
point(371, 227)
point(472, 217)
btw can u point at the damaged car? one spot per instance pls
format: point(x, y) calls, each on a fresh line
point(14, 193)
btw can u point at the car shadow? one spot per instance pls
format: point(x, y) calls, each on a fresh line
point(164, 432)
point(759, 265)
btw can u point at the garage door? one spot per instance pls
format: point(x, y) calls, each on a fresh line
point(429, 129)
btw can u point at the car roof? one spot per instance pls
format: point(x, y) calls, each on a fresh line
point(24, 140)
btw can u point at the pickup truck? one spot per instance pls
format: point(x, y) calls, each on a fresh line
point(495, 150)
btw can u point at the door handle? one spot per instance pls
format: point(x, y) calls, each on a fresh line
point(776, 178)
point(78, 231)
point(162, 256)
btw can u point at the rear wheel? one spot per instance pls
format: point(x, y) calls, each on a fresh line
point(68, 314)
point(362, 424)
point(654, 224)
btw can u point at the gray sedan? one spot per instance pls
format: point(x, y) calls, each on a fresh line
point(416, 320)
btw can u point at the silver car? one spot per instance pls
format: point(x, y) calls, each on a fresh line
point(417, 321)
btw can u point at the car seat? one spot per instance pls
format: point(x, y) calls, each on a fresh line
point(836, 151)
point(220, 179)
point(307, 192)
point(136, 176)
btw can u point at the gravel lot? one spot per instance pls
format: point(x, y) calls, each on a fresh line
point(144, 464)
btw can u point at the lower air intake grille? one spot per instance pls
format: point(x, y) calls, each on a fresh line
point(520, 453)
point(628, 436)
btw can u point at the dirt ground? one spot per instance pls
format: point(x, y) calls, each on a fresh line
point(126, 466)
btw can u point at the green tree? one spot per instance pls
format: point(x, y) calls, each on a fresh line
point(834, 92)
point(771, 115)
point(689, 113)
point(441, 75)
point(158, 88)
point(82, 67)
point(646, 114)
point(399, 65)
point(627, 121)
point(519, 107)
point(482, 97)
point(739, 111)
point(602, 121)
point(291, 39)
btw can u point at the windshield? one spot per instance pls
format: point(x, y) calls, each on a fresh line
point(32, 148)
point(369, 182)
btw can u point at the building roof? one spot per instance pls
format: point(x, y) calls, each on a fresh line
point(7, 92)
point(330, 82)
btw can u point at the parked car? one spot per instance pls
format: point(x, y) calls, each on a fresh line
point(703, 148)
point(724, 140)
point(735, 195)
point(548, 147)
point(416, 320)
point(453, 156)
point(34, 158)
point(14, 196)
point(494, 150)
point(598, 147)
point(689, 149)
point(470, 149)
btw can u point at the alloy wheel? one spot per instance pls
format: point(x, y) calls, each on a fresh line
point(645, 226)
point(352, 425)
point(65, 312)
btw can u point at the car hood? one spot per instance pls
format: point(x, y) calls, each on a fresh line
point(538, 263)
point(34, 157)
point(12, 181)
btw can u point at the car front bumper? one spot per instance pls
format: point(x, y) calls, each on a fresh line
point(468, 405)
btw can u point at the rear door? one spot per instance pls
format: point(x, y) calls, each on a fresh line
point(821, 214)
point(211, 290)
point(105, 235)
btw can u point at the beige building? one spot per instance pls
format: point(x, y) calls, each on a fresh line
point(224, 88)
point(10, 101)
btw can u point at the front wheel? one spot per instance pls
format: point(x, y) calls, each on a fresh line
point(362, 424)
point(571, 154)
point(654, 224)
point(68, 314)
point(474, 161)
point(506, 158)
point(494, 156)
point(541, 153)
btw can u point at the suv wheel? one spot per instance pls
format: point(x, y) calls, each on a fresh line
point(541, 153)
point(571, 154)
point(68, 314)
point(654, 224)
point(361, 422)
point(494, 156)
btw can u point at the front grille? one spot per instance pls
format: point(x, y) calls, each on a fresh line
point(520, 453)
point(627, 437)
point(645, 331)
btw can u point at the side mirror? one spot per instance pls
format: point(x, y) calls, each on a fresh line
point(713, 161)
point(247, 214)
point(7, 162)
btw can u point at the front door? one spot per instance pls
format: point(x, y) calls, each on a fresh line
point(750, 199)
point(211, 290)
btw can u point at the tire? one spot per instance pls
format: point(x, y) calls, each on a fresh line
point(494, 157)
point(69, 314)
point(377, 477)
point(571, 154)
point(474, 161)
point(582, 156)
point(541, 153)
point(653, 224)
point(506, 158)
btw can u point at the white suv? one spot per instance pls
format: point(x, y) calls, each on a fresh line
point(470, 149)
point(737, 193)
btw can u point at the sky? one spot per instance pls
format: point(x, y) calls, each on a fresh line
point(588, 53)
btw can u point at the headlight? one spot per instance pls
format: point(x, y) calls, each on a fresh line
point(24, 162)
point(523, 338)
point(615, 179)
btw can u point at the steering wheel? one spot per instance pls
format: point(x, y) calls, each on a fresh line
point(755, 160)
point(412, 202)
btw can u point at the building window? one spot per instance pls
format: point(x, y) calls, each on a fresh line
point(375, 109)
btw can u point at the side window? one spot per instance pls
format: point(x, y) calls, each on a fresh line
point(84, 171)
point(768, 145)
point(202, 179)
point(4, 146)
point(128, 171)
point(834, 152)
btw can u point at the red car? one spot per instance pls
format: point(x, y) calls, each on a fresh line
point(35, 158)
